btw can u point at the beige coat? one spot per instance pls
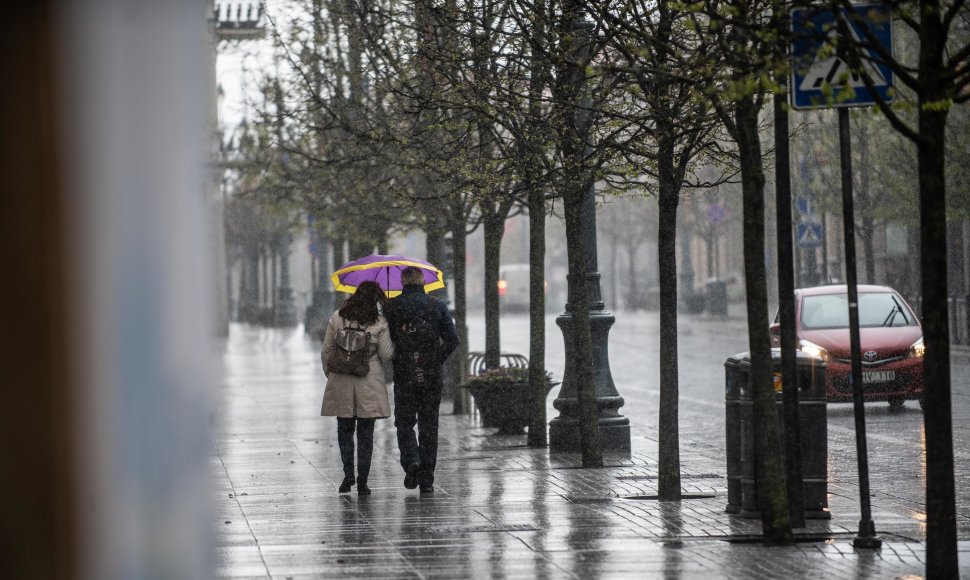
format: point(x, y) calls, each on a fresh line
point(350, 396)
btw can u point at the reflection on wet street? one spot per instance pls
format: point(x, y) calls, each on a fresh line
point(504, 510)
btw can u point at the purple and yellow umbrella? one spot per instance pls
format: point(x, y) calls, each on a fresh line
point(386, 271)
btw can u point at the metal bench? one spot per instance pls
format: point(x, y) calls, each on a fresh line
point(476, 362)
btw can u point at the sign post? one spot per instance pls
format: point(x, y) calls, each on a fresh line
point(823, 78)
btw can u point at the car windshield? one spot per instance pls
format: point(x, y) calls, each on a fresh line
point(875, 309)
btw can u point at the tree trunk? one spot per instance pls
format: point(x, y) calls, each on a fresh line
point(252, 290)
point(941, 537)
point(633, 298)
point(867, 231)
point(274, 281)
point(614, 278)
point(459, 241)
point(769, 453)
point(494, 228)
point(866, 204)
point(539, 76)
point(358, 249)
point(668, 479)
point(264, 276)
point(434, 242)
point(344, 252)
point(668, 428)
point(315, 267)
point(711, 272)
point(538, 436)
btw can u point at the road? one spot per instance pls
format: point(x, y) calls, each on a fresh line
point(897, 459)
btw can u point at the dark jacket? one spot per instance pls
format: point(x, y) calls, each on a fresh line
point(412, 302)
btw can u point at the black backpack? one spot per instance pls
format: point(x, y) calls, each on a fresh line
point(416, 348)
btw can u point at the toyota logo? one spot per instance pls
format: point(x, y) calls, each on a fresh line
point(870, 355)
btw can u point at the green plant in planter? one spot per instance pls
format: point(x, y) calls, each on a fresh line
point(503, 398)
point(503, 376)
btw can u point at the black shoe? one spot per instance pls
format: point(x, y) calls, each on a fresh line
point(411, 477)
point(427, 488)
point(362, 489)
point(346, 484)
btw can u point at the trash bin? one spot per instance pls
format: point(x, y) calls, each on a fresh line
point(716, 301)
point(813, 419)
point(813, 422)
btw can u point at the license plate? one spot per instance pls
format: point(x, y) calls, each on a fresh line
point(878, 377)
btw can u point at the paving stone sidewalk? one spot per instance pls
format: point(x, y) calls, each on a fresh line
point(500, 509)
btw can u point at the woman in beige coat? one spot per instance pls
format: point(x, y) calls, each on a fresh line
point(358, 401)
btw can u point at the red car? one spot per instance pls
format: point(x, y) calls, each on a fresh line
point(891, 341)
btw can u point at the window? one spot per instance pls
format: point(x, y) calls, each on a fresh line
point(875, 309)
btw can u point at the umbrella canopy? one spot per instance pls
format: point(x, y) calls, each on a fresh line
point(386, 271)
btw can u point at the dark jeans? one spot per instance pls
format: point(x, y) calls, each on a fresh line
point(418, 404)
point(365, 445)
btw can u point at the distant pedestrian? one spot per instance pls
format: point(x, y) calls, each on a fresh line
point(358, 401)
point(424, 335)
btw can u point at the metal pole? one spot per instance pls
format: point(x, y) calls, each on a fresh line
point(867, 529)
point(825, 249)
point(786, 306)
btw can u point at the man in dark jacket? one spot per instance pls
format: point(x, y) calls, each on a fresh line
point(424, 335)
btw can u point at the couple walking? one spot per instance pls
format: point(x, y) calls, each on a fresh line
point(358, 401)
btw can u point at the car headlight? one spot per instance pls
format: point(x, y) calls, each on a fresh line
point(917, 349)
point(813, 349)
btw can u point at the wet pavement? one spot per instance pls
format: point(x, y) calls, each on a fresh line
point(504, 510)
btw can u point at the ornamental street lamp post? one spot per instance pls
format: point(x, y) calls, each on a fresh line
point(614, 429)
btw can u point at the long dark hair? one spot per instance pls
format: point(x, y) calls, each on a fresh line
point(361, 307)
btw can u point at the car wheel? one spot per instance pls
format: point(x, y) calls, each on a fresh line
point(896, 403)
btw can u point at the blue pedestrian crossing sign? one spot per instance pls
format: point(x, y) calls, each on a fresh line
point(809, 235)
point(821, 79)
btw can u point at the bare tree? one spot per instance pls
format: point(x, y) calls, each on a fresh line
point(739, 38)
point(939, 78)
point(657, 50)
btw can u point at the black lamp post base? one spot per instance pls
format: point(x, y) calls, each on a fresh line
point(867, 539)
point(564, 436)
point(614, 429)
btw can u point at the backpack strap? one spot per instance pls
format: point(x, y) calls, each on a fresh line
point(371, 344)
point(429, 309)
point(429, 316)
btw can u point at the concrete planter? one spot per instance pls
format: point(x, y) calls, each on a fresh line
point(503, 399)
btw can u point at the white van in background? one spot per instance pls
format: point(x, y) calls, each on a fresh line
point(513, 287)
